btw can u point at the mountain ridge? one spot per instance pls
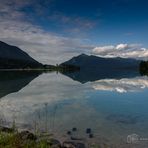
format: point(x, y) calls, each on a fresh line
point(91, 61)
point(94, 68)
point(12, 57)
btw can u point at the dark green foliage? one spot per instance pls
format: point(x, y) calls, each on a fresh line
point(14, 141)
point(52, 67)
point(68, 68)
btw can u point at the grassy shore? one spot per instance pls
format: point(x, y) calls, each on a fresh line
point(14, 140)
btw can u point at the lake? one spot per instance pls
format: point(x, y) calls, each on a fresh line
point(112, 108)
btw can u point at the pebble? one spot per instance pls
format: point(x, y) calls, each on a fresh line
point(74, 129)
point(91, 135)
point(88, 130)
point(68, 132)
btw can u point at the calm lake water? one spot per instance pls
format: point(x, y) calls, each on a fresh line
point(52, 102)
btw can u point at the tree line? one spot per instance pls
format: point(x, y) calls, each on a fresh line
point(143, 68)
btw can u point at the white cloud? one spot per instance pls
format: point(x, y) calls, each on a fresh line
point(122, 50)
point(122, 46)
point(122, 85)
point(16, 28)
point(44, 46)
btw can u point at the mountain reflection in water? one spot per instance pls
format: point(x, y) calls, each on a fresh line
point(112, 106)
point(13, 81)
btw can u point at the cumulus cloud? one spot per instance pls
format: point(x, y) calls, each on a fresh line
point(122, 50)
point(122, 85)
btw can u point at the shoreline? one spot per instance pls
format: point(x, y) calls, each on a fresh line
point(26, 69)
point(24, 138)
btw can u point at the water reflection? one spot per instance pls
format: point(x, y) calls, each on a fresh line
point(122, 85)
point(55, 103)
point(12, 81)
point(91, 75)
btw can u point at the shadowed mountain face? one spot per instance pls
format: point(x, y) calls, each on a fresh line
point(94, 68)
point(12, 57)
point(13, 81)
point(93, 62)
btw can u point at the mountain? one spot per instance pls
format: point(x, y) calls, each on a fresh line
point(90, 62)
point(94, 68)
point(12, 57)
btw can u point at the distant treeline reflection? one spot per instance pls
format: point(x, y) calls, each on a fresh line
point(143, 68)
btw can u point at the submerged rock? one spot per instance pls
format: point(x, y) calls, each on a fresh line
point(91, 135)
point(123, 119)
point(68, 132)
point(76, 138)
point(88, 130)
point(71, 144)
point(74, 129)
point(26, 135)
point(54, 143)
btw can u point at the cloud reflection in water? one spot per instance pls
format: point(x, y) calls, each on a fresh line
point(122, 85)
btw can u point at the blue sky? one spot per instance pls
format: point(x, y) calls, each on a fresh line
point(53, 31)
